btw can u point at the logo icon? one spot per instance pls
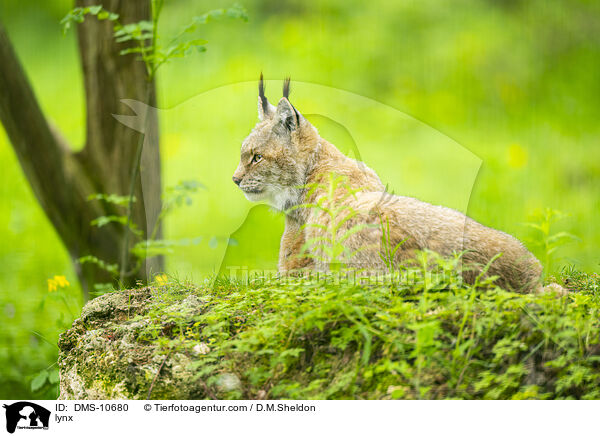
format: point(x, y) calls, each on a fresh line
point(26, 415)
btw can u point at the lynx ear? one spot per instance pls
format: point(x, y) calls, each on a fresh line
point(287, 116)
point(265, 109)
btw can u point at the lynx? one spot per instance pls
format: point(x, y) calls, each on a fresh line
point(284, 155)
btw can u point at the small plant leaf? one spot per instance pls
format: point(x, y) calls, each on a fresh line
point(39, 380)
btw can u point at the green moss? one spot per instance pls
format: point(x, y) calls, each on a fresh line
point(437, 338)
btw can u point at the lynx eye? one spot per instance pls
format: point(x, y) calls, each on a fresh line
point(257, 158)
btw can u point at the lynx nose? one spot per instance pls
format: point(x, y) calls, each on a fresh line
point(236, 180)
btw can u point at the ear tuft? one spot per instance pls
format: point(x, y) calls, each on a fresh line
point(261, 93)
point(265, 109)
point(286, 88)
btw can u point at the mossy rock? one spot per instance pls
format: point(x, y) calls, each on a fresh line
point(432, 339)
point(102, 356)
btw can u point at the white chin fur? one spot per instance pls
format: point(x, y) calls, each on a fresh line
point(254, 197)
point(277, 198)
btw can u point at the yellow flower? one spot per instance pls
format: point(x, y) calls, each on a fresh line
point(56, 282)
point(161, 279)
point(62, 281)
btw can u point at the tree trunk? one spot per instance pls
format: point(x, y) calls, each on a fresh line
point(62, 180)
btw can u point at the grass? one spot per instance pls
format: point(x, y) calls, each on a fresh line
point(431, 338)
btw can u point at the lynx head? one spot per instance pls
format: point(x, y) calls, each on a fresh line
point(278, 154)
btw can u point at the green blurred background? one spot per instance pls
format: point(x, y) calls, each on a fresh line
point(501, 103)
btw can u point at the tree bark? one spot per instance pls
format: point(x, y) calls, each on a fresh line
point(63, 180)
